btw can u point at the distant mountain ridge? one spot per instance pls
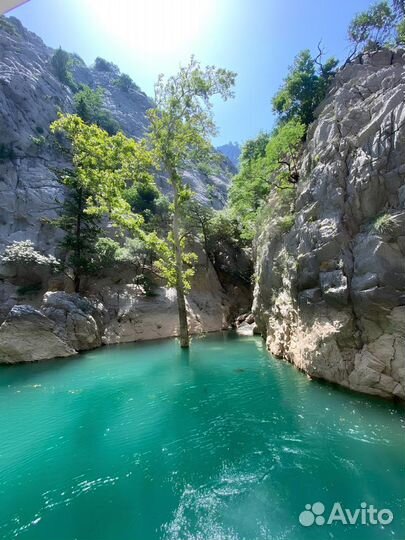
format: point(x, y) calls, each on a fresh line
point(232, 151)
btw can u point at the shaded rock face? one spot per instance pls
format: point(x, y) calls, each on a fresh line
point(330, 293)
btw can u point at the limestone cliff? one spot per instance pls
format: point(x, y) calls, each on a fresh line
point(40, 324)
point(330, 292)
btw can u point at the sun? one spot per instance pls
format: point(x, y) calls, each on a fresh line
point(153, 28)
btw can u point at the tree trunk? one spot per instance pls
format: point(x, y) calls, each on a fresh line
point(78, 239)
point(181, 301)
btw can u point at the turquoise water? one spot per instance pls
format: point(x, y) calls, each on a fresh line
point(145, 442)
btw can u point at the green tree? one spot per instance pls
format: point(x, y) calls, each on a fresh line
point(89, 106)
point(181, 125)
point(125, 83)
point(81, 229)
point(374, 28)
point(277, 167)
point(103, 167)
point(304, 88)
point(62, 64)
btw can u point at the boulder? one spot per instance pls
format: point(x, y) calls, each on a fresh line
point(78, 320)
point(28, 335)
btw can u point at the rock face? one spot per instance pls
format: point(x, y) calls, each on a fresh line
point(330, 293)
point(114, 313)
point(30, 195)
point(78, 321)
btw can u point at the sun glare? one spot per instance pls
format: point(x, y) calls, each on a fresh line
point(154, 28)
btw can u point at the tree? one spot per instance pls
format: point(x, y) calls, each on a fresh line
point(81, 229)
point(374, 28)
point(103, 167)
point(304, 87)
point(89, 106)
point(180, 127)
point(62, 64)
point(282, 154)
point(125, 83)
point(276, 166)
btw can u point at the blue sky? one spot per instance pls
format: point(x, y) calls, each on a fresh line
point(256, 38)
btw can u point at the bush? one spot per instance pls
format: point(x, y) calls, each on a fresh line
point(62, 64)
point(101, 64)
point(125, 83)
point(89, 106)
point(374, 28)
point(143, 198)
point(287, 222)
point(384, 223)
point(106, 252)
point(304, 88)
point(29, 290)
point(38, 141)
point(23, 253)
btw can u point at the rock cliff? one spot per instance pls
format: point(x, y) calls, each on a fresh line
point(30, 195)
point(330, 292)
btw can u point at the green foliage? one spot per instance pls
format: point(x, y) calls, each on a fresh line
point(304, 88)
point(384, 223)
point(287, 222)
point(282, 153)
point(38, 141)
point(374, 28)
point(23, 253)
point(182, 122)
point(143, 198)
point(101, 64)
point(255, 148)
point(181, 125)
point(125, 83)
point(105, 250)
point(103, 167)
point(401, 32)
point(62, 64)
point(89, 106)
point(263, 171)
point(29, 290)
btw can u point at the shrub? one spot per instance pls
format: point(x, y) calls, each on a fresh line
point(29, 290)
point(89, 106)
point(7, 26)
point(101, 64)
point(38, 141)
point(62, 64)
point(125, 83)
point(384, 223)
point(24, 253)
point(143, 198)
point(106, 252)
point(287, 222)
point(373, 28)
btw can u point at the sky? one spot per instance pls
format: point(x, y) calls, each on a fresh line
point(258, 39)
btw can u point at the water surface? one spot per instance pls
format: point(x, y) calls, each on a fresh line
point(148, 442)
